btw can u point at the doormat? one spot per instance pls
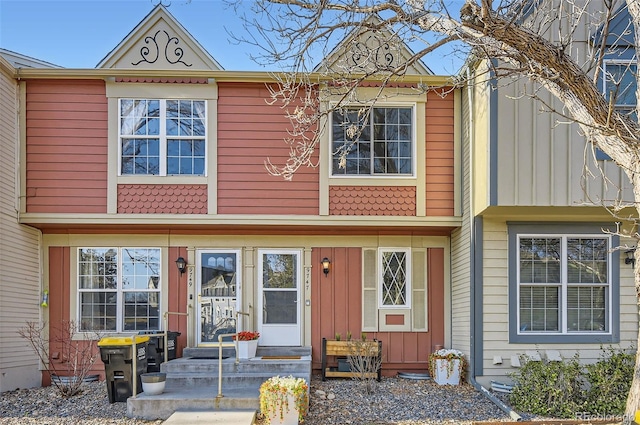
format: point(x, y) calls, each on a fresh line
point(280, 357)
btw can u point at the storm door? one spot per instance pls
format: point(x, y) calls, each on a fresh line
point(218, 286)
point(280, 278)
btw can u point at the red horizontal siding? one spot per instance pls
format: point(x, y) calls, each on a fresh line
point(66, 132)
point(249, 132)
point(439, 170)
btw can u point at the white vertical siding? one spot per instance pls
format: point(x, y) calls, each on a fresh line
point(541, 161)
point(19, 257)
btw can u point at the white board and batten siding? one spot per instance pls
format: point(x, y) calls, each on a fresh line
point(543, 161)
point(496, 311)
point(19, 255)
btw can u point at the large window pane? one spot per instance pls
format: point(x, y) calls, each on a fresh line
point(98, 311)
point(106, 278)
point(279, 271)
point(564, 284)
point(540, 260)
point(587, 260)
point(97, 268)
point(140, 311)
point(142, 135)
point(388, 129)
point(586, 309)
point(539, 308)
point(140, 268)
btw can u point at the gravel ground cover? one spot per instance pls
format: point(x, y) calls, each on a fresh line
point(398, 401)
point(395, 401)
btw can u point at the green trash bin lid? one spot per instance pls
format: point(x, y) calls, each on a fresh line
point(122, 340)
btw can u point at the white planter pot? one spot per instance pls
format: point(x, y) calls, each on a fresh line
point(289, 415)
point(153, 383)
point(447, 373)
point(247, 349)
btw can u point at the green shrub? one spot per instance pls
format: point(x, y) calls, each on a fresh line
point(549, 388)
point(562, 389)
point(609, 382)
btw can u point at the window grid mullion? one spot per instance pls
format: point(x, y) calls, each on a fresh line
point(163, 137)
point(119, 296)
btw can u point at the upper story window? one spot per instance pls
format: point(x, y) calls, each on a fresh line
point(162, 137)
point(620, 85)
point(379, 141)
point(119, 289)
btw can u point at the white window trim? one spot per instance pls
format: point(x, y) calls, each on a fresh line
point(119, 290)
point(408, 280)
point(563, 285)
point(414, 144)
point(162, 137)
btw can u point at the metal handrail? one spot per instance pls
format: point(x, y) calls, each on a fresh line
point(164, 334)
point(220, 345)
point(166, 329)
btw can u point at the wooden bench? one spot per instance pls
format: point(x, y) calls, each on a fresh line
point(346, 348)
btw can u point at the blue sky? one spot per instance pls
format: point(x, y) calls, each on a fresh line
point(79, 33)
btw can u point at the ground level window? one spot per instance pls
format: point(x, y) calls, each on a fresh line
point(119, 289)
point(562, 285)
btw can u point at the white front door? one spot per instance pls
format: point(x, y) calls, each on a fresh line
point(279, 281)
point(218, 288)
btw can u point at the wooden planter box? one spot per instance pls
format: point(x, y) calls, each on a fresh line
point(345, 348)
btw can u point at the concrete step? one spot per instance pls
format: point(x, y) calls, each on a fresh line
point(255, 365)
point(192, 381)
point(204, 398)
point(229, 352)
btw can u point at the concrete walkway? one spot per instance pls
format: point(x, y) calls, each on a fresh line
point(185, 417)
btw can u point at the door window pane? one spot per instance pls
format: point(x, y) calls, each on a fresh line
point(279, 271)
point(218, 295)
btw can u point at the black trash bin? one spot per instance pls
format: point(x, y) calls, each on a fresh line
point(155, 352)
point(117, 355)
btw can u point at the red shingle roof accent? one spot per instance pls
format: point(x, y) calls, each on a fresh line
point(162, 199)
point(372, 200)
